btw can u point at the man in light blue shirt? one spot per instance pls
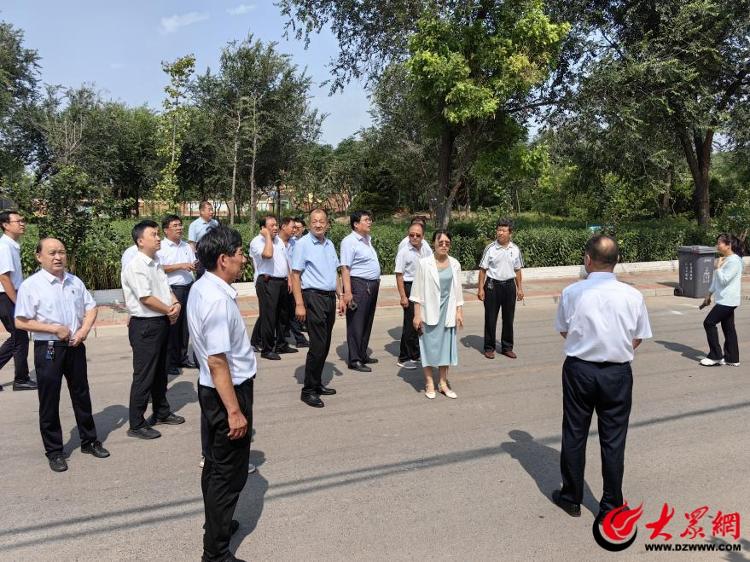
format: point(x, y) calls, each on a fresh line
point(360, 272)
point(315, 287)
point(199, 227)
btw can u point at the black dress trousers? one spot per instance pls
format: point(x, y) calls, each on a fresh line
point(148, 339)
point(359, 321)
point(17, 345)
point(225, 467)
point(606, 388)
point(499, 296)
point(321, 315)
point(409, 350)
point(267, 332)
point(724, 315)
point(177, 342)
point(70, 363)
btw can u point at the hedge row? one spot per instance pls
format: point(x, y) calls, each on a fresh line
point(98, 262)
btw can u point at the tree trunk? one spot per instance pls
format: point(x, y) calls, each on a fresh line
point(252, 166)
point(235, 158)
point(445, 156)
point(698, 154)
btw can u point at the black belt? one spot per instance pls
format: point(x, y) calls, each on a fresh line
point(366, 280)
point(511, 280)
point(150, 318)
point(244, 383)
point(598, 363)
point(268, 278)
point(55, 343)
point(408, 282)
point(320, 292)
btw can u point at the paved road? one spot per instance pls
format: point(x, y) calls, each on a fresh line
point(381, 473)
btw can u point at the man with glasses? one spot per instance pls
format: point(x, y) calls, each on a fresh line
point(407, 261)
point(11, 277)
point(360, 272)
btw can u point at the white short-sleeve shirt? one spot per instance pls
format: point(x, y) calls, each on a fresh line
point(48, 299)
point(144, 277)
point(501, 262)
point(216, 326)
point(277, 266)
point(407, 259)
point(602, 317)
point(10, 261)
point(170, 254)
point(128, 255)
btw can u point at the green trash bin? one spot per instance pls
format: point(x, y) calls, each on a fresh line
point(696, 270)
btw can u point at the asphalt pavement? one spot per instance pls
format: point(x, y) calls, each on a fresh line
point(381, 473)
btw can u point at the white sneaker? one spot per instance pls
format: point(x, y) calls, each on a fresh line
point(731, 364)
point(203, 461)
point(409, 365)
point(251, 468)
point(706, 362)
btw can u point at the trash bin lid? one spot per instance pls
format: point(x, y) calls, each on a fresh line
point(697, 250)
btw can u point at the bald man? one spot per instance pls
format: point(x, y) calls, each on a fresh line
point(56, 308)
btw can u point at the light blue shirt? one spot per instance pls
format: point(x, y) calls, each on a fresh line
point(318, 262)
point(727, 282)
point(358, 254)
point(199, 227)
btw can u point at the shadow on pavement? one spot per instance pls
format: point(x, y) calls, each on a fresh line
point(414, 377)
point(474, 342)
point(181, 394)
point(329, 371)
point(542, 463)
point(684, 350)
point(250, 505)
point(109, 419)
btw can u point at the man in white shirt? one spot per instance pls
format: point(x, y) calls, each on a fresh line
point(407, 260)
point(290, 326)
point(271, 266)
point(500, 285)
point(199, 227)
point(129, 253)
point(227, 369)
point(11, 276)
point(603, 321)
point(152, 307)
point(178, 260)
point(405, 242)
point(59, 312)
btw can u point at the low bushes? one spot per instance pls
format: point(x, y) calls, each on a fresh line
point(542, 242)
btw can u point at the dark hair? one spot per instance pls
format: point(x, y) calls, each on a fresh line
point(169, 219)
point(300, 220)
point(5, 217)
point(43, 240)
point(419, 224)
point(732, 241)
point(440, 232)
point(418, 220)
point(504, 222)
point(602, 249)
point(218, 241)
point(138, 229)
point(286, 220)
point(204, 204)
point(262, 220)
point(356, 217)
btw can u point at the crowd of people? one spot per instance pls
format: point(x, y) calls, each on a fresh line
point(183, 313)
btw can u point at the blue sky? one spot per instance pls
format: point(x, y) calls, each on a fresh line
point(119, 46)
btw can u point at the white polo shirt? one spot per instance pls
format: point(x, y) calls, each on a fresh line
point(602, 317)
point(407, 259)
point(501, 262)
point(128, 255)
point(216, 326)
point(10, 261)
point(277, 266)
point(170, 254)
point(45, 298)
point(144, 277)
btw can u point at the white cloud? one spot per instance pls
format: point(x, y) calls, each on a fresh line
point(242, 9)
point(175, 22)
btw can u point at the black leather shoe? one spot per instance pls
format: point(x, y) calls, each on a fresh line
point(287, 349)
point(57, 463)
point(326, 391)
point(144, 432)
point(28, 384)
point(303, 344)
point(370, 361)
point(270, 355)
point(172, 371)
point(572, 509)
point(312, 400)
point(171, 419)
point(359, 366)
point(95, 449)
point(189, 365)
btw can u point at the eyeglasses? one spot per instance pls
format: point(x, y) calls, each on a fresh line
point(444, 243)
point(415, 235)
point(20, 221)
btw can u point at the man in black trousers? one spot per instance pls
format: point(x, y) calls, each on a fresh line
point(153, 307)
point(500, 285)
point(44, 306)
point(225, 387)
point(360, 273)
point(603, 321)
point(316, 289)
point(16, 347)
